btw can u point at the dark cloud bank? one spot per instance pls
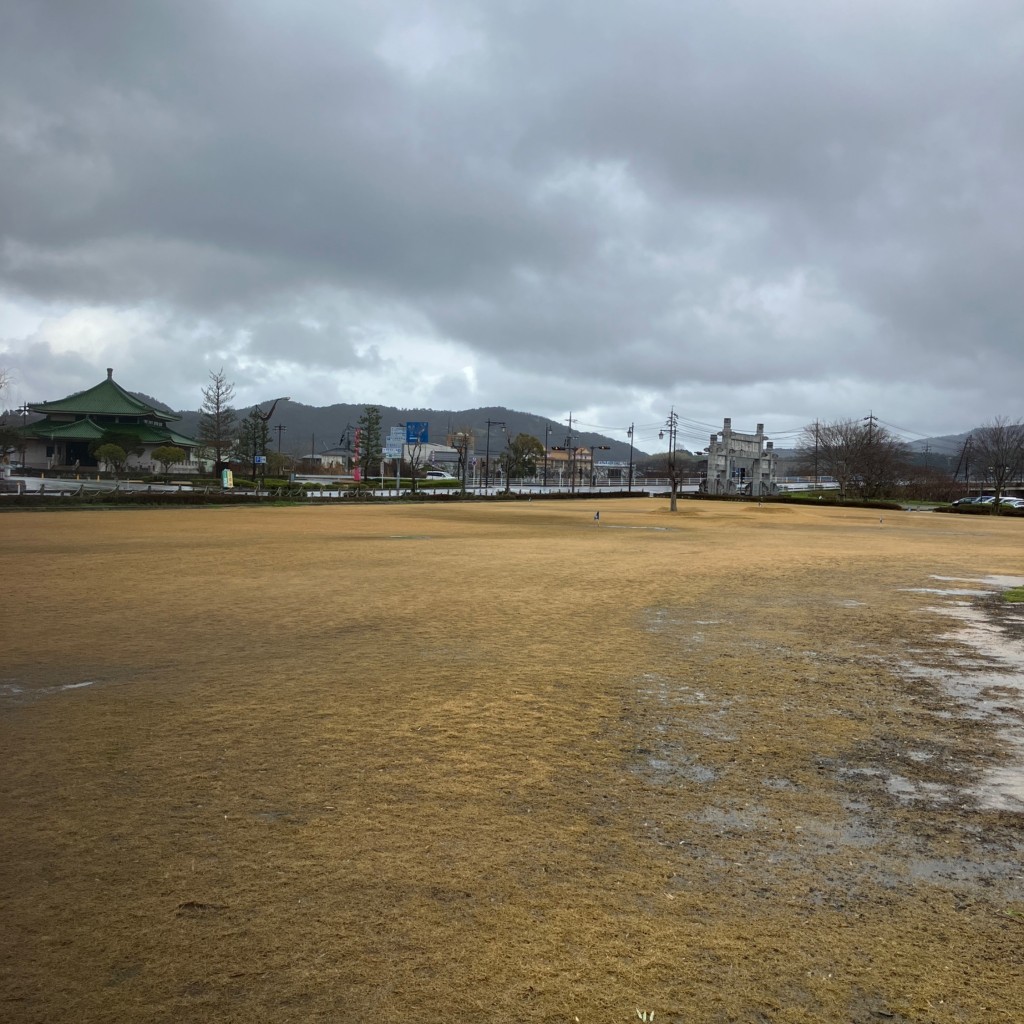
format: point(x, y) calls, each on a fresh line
point(770, 212)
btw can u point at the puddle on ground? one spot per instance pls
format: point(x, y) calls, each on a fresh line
point(978, 673)
point(664, 771)
point(17, 693)
point(654, 529)
point(987, 685)
point(945, 592)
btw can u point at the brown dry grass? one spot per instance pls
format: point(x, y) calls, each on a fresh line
point(457, 763)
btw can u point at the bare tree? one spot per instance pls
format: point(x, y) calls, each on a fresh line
point(415, 456)
point(463, 441)
point(253, 441)
point(217, 419)
point(833, 450)
point(999, 453)
point(884, 462)
point(863, 457)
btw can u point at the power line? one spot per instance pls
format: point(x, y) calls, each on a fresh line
point(953, 446)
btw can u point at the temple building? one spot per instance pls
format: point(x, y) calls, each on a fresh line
point(741, 463)
point(72, 426)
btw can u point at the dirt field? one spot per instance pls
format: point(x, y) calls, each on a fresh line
point(499, 764)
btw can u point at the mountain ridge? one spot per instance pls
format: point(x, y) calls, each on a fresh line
point(309, 428)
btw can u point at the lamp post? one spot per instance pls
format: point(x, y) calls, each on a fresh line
point(593, 462)
point(561, 467)
point(24, 410)
point(547, 435)
point(487, 457)
point(570, 449)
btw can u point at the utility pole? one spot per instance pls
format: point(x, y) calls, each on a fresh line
point(547, 434)
point(629, 434)
point(571, 452)
point(870, 421)
point(965, 461)
point(570, 449)
point(673, 424)
point(280, 428)
point(815, 454)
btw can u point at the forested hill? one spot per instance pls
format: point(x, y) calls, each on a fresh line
point(315, 428)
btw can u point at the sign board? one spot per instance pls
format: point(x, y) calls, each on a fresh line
point(391, 453)
point(260, 460)
point(227, 478)
point(417, 433)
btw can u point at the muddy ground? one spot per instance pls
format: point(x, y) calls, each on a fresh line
point(459, 763)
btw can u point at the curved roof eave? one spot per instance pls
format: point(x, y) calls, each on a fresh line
point(107, 398)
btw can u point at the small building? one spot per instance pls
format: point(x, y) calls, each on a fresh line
point(575, 467)
point(339, 459)
point(71, 426)
point(741, 463)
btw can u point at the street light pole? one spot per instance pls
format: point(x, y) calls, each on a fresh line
point(24, 410)
point(487, 457)
point(563, 466)
point(593, 462)
point(547, 435)
point(570, 450)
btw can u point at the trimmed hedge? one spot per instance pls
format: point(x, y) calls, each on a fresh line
point(981, 510)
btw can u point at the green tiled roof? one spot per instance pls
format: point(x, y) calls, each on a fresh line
point(173, 437)
point(107, 398)
point(88, 430)
point(117, 411)
point(79, 430)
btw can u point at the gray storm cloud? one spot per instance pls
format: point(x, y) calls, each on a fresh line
point(730, 207)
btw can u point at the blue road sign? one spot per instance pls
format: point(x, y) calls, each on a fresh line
point(416, 433)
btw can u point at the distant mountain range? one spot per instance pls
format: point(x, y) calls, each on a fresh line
point(313, 429)
point(310, 429)
point(941, 452)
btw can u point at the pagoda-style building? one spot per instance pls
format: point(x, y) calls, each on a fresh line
point(70, 426)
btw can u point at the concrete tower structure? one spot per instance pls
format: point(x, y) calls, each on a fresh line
point(741, 463)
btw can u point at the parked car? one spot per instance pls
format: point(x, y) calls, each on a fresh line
point(965, 501)
point(1012, 502)
point(436, 474)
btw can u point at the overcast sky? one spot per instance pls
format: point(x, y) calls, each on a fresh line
point(774, 211)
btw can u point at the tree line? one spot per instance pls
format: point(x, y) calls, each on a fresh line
point(869, 461)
